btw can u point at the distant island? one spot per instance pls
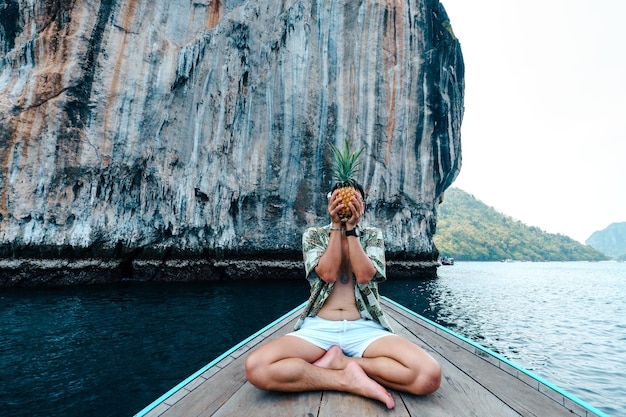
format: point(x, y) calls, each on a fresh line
point(610, 241)
point(469, 230)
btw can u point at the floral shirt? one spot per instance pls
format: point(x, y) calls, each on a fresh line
point(314, 243)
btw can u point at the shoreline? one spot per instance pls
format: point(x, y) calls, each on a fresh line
point(65, 272)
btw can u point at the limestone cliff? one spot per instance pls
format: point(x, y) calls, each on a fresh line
point(138, 131)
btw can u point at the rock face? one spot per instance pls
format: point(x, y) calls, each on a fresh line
point(611, 241)
point(200, 129)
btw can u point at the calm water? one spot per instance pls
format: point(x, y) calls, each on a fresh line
point(111, 350)
point(565, 322)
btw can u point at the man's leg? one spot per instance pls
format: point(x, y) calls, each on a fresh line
point(393, 362)
point(285, 364)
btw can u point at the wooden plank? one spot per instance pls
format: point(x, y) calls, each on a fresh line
point(459, 395)
point(250, 401)
point(344, 404)
point(211, 394)
point(521, 397)
point(227, 377)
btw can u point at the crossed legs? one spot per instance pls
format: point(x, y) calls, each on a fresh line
point(293, 364)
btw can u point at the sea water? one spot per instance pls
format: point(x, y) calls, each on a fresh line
point(111, 350)
point(563, 321)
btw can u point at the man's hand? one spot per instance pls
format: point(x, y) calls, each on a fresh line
point(334, 205)
point(357, 207)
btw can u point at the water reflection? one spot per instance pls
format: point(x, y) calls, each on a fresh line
point(416, 295)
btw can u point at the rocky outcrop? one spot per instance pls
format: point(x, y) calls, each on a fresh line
point(611, 241)
point(147, 131)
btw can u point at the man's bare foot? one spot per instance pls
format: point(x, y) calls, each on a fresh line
point(332, 359)
point(361, 384)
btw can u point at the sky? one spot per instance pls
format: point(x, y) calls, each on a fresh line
point(544, 131)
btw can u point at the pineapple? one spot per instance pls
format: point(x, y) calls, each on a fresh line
point(344, 168)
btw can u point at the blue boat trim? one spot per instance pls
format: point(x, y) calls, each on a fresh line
point(501, 358)
point(202, 370)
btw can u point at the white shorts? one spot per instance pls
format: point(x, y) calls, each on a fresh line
point(352, 336)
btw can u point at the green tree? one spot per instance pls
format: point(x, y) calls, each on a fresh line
point(468, 229)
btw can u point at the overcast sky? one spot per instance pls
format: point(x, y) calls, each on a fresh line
point(544, 132)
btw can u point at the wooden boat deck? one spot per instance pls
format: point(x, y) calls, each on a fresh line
point(476, 382)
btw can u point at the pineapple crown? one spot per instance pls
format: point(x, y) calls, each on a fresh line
point(345, 164)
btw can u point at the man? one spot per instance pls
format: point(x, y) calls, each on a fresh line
point(342, 341)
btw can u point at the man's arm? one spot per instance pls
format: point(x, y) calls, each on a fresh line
point(364, 270)
point(330, 263)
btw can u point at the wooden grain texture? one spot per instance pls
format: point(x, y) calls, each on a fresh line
point(250, 401)
point(342, 404)
point(474, 383)
point(487, 378)
point(459, 395)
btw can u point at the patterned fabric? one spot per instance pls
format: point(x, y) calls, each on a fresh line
point(314, 243)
